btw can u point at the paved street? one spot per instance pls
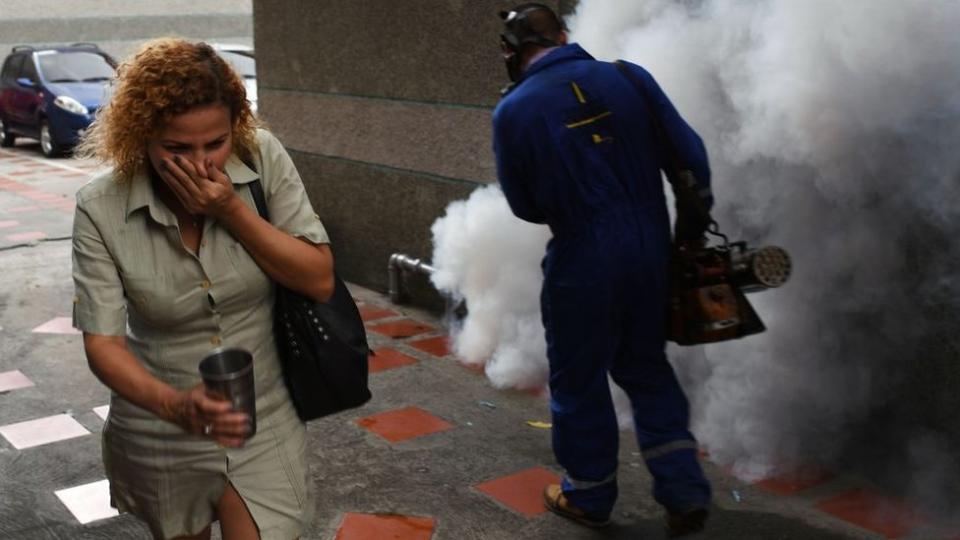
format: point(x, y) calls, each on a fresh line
point(120, 26)
point(438, 453)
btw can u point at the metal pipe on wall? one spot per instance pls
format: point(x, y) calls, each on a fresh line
point(400, 263)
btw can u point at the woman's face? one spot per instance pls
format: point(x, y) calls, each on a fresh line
point(202, 133)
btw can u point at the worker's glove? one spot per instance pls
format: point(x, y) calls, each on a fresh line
point(691, 228)
point(693, 210)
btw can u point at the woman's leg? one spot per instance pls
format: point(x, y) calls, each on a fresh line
point(236, 523)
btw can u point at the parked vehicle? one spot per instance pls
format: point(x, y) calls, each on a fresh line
point(243, 60)
point(52, 94)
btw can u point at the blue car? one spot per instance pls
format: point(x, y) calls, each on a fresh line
point(52, 94)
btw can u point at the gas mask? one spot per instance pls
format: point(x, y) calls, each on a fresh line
point(521, 29)
point(512, 59)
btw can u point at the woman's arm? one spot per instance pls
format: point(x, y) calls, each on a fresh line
point(294, 263)
point(113, 363)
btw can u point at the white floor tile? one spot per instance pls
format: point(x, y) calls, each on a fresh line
point(88, 502)
point(12, 380)
point(42, 431)
point(59, 325)
point(102, 411)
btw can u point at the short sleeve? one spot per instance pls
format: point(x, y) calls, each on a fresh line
point(99, 306)
point(290, 208)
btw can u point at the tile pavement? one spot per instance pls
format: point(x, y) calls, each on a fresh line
point(401, 428)
point(515, 491)
point(38, 198)
point(374, 526)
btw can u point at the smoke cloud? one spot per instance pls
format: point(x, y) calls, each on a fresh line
point(832, 128)
point(485, 255)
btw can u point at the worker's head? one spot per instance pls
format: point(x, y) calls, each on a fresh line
point(528, 28)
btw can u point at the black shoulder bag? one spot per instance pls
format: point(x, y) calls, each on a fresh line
point(322, 346)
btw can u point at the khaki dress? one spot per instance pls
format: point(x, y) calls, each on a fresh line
point(134, 278)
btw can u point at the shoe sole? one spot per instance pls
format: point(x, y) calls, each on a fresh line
point(593, 524)
point(695, 523)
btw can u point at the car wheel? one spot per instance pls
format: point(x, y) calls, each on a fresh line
point(6, 138)
point(48, 145)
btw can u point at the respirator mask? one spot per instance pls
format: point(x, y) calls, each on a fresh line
point(521, 28)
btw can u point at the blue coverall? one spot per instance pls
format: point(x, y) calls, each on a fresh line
point(576, 148)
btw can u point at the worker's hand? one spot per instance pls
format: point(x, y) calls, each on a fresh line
point(690, 231)
point(201, 188)
point(200, 413)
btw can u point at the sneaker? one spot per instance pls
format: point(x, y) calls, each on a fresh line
point(555, 501)
point(684, 523)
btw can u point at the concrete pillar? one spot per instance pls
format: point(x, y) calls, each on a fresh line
point(385, 107)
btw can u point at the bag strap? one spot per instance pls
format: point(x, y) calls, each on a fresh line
point(681, 178)
point(256, 190)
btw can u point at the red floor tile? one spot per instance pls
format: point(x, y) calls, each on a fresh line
point(522, 492)
point(401, 329)
point(7, 223)
point(386, 358)
point(536, 392)
point(479, 369)
point(43, 196)
point(792, 482)
point(20, 209)
point(437, 346)
point(403, 424)
point(385, 527)
point(369, 312)
point(69, 208)
point(874, 511)
point(26, 236)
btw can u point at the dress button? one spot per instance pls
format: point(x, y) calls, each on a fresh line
point(205, 284)
point(215, 340)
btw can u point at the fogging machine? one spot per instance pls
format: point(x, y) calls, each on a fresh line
point(707, 301)
point(707, 284)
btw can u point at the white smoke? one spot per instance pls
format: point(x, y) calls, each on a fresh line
point(832, 127)
point(492, 260)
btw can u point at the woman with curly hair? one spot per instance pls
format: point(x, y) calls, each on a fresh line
point(170, 260)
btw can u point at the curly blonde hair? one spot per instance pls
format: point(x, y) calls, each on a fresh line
point(165, 78)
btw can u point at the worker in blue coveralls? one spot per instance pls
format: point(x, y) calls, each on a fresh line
point(578, 148)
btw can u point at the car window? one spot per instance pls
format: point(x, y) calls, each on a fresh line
point(78, 66)
point(11, 68)
point(244, 64)
point(29, 70)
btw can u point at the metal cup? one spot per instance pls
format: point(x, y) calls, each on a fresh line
point(228, 374)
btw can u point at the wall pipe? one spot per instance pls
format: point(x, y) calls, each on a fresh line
point(400, 263)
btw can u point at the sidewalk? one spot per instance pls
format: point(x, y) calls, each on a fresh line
point(436, 454)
